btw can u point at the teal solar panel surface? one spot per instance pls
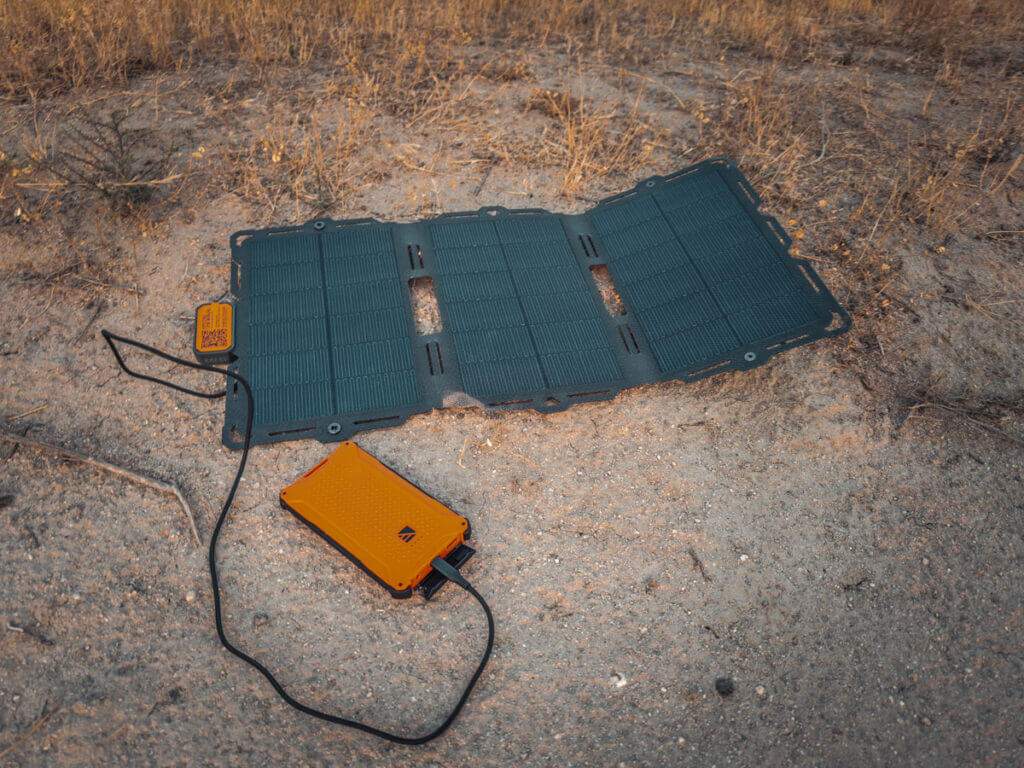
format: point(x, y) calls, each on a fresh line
point(325, 332)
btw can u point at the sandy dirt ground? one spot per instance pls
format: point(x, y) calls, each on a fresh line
point(850, 556)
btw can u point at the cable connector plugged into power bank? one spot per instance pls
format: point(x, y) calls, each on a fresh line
point(446, 569)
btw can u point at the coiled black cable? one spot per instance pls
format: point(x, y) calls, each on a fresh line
point(447, 570)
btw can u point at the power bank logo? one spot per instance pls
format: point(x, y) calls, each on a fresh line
point(406, 534)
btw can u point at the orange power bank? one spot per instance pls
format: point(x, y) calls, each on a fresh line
point(375, 517)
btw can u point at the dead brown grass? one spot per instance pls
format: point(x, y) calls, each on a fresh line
point(311, 159)
point(586, 140)
point(48, 45)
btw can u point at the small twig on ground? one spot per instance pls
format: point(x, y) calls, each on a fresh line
point(1009, 173)
point(855, 586)
point(37, 409)
point(483, 180)
point(6, 454)
point(100, 305)
point(160, 485)
point(965, 415)
point(99, 284)
point(824, 137)
point(32, 729)
point(57, 273)
point(698, 564)
point(117, 732)
point(30, 631)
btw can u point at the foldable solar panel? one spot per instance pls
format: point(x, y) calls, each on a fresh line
point(326, 336)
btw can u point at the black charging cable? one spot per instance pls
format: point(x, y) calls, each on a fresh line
point(440, 564)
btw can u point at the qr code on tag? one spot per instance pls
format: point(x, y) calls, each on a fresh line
point(215, 338)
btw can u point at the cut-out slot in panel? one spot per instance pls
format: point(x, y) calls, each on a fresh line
point(710, 368)
point(510, 402)
point(837, 322)
point(680, 174)
point(425, 310)
point(629, 339)
point(609, 293)
point(780, 233)
point(586, 249)
point(621, 196)
point(589, 247)
point(375, 421)
point(749, 193)
point(787, 342)
point(590, 394)
point(298, 431)
point(808, 278)
point(415, 256)
point(435, 361)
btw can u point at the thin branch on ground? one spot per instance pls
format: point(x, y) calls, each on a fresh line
point(966, 416)
point(825, 134)
point(160, 485)
point(32, 729)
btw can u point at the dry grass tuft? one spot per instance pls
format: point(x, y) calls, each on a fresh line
point(587, 140)
point(551, 103)
point(48, 45)
point(105, 153)
point(310, 158)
